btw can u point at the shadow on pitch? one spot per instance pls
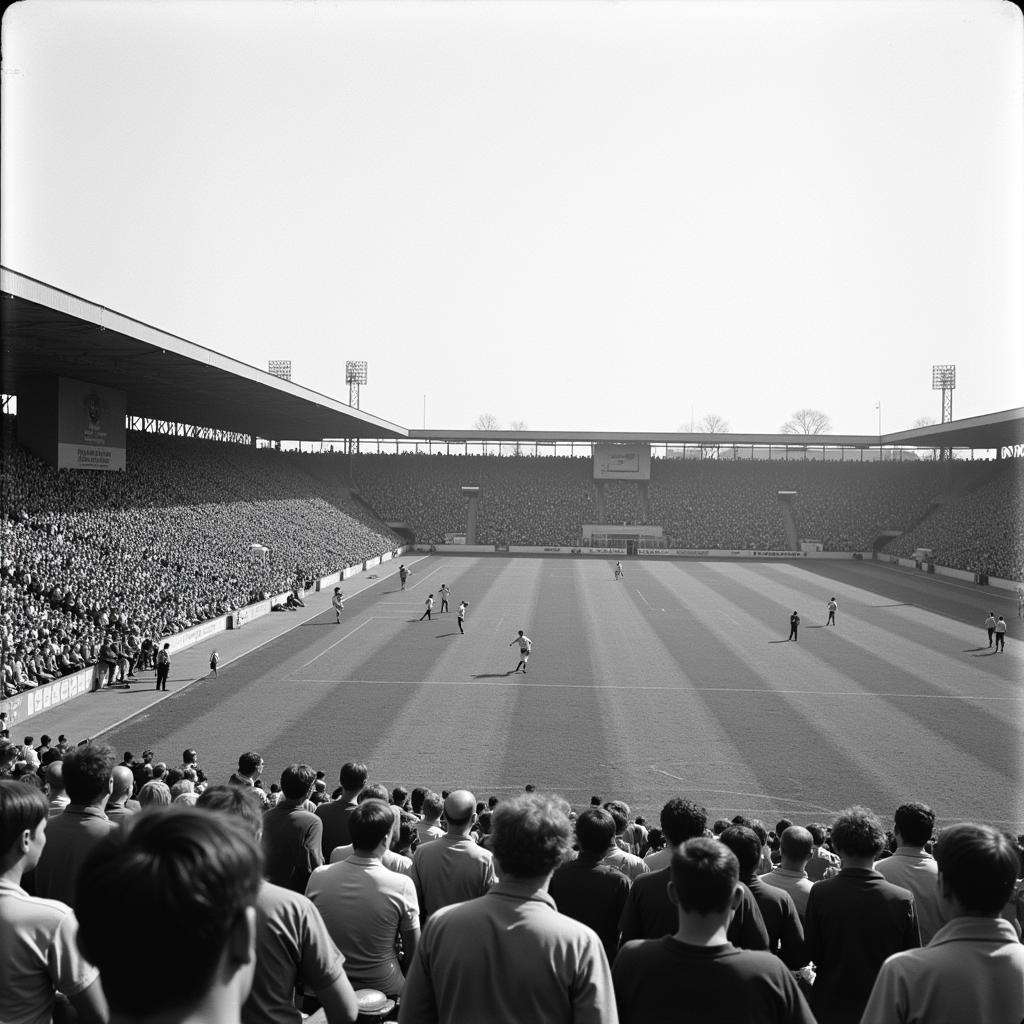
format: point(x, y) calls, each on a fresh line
point(985, 652)
point(452, 633)
point(780, 641)
point(494, 675)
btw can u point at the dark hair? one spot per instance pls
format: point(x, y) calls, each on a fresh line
point(781, 825)
point(858, 832)
point(416, 798)
point(704, 874)
point(21, 807)
point(353, 775)
point(720, 825)
point(682, 819)
point(400, 796)
point(531, 835)
point(249, 763)
point(194, 872)
point(915, 823)
point(817, 831)
point(595, 830)
point(746, 845)
point(757, 825)
point(87, 772)
point(370, 822)
point(796, 843)
point(237, 801)
point(979, 865)
point(620, 812)
point(297, 780)
point(188, 756)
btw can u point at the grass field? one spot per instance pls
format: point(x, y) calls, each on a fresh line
point(677, 679)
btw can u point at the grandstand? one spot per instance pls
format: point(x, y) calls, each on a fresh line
point(668, 681)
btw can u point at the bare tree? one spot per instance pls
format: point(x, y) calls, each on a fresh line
point(807, 421)
point(486, 421)
point(713, 424)
point(518, 425)
point(925, 421)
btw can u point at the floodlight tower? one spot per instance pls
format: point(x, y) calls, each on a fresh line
point(944, 380)
point(280, 368)
point(355, 375)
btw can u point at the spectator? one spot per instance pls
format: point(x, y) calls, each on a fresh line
point(680, 820)
point(695, 970)
point(618, 854)
point(785, 932)
point(55, 788)
point(82, 825)
point(37, 936)
point(198, 875)
point(509, 956)
point(155, 794)
point(429, 828)
point(293, 946)
point(335, 815)
point(452, 868)
point(854, 921)
point(291, 833)
point(250, 766)
point(588, 890)
point(795, 849)
point(822, 863)
point(366, 907)
point(973, 968)
point(914, 868)
point(121, 805)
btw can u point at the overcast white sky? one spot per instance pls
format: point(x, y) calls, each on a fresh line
point(586, 215)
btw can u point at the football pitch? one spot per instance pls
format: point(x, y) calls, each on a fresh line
point(676, 680)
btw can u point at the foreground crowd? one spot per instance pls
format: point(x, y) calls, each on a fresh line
point(423, 906)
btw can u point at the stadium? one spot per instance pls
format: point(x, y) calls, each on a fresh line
point(266, 653)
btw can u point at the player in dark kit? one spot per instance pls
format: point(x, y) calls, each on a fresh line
point(794, 625)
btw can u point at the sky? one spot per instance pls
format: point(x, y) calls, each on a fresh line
point(590, 215)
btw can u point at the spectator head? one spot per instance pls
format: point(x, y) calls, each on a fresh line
point(720, 825)
point(682, 819)
point(978, 869)
point(460, 809)
point(740, 820)
point(433, 805)
point(400, 797)
point(55, 778)
point(857, 834)
point(914, 823)
point(195, 873)
point(239, 802)
point(781, 825)
point(817, 831)
point(181, 786)
point(250, 763)
point(8, 755)
point(704, 877)
point(124, 782)
point(128, 757)
point(595, 831)
point(416, 799)
point(44, 740)
point(492, 802)
point(297, 781)
point(374, 791)
point(484, 821)
point(745, 844)
point(795, 845)
point(353, 776)
point(155, 794)
point(172, 776)
point(531, 836)
point(370, 824)
point(189, 756)
point(620, 813)
point(759, 830)
point(23, 813)
point(88, 774)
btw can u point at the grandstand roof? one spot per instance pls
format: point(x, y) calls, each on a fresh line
point(49, 331)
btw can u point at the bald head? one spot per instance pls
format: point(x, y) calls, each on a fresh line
point(459, 809)
point(123, 782)
point(55, 777)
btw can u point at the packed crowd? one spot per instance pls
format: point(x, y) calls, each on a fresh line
point(981, 532)
point(409, 904)
point(190, 531)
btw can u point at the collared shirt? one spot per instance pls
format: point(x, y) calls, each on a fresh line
point(917, 871)
point(39, 954)
point(796, 883)
point(69, 838)
point(365, 905)
point(291, 844)
point(449, 870)
point(292, 944)
point(506, 958)
point(972, 970)
point(391, 860)
point(631, 866)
